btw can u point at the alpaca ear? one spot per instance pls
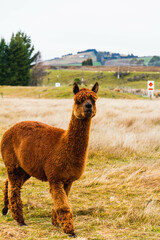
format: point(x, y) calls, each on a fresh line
point(75, 88)
point(95, 87)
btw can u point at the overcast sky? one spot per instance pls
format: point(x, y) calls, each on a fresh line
point(59, 27)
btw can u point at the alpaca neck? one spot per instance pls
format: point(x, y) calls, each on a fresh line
point(78, 135)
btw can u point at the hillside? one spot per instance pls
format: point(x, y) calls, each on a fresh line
point(103, 58)
point(98, 58)
point(136, 61)
point(71, 59)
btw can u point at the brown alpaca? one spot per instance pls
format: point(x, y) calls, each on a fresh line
point(50, 154)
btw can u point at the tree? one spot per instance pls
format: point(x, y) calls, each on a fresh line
point(37, 72)
point(78, 81)
point(140, 62)
point(87, 62)
point(19, 58)
point(155, 61)
point(3, 61)
point(133, 61)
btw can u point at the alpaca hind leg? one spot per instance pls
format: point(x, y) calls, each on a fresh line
point(5, 209)
point(62, 208)
point(16, 179)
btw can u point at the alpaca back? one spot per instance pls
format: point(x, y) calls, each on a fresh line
point(28, 145)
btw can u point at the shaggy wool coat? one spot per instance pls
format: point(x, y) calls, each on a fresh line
point(50, 154)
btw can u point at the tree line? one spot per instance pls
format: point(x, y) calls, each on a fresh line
point(17, 58)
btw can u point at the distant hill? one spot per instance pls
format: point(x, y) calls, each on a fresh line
point(72, 60)
point(103, 58)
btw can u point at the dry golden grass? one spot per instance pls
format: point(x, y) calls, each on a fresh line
point(119, 197)
point(126, 126)
point(120, 126)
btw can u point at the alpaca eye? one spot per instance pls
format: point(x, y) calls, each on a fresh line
point(78, 103)
point(93, 102)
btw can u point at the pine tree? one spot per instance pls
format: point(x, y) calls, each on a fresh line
point(3, 61)
point(19, 58)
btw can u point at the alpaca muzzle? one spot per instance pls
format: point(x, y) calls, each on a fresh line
point(88, 112)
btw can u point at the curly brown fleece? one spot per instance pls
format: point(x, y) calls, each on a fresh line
point(50, 154)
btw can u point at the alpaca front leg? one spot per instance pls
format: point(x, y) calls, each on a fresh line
point(54, 217)
point(67, 188)
point(62, 208)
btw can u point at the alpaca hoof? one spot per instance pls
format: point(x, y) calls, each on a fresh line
point(55, 223)
point(73, 235)
point(22, 224)
point(4, 210)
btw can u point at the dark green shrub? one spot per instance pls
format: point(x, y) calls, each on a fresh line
point(78, 81)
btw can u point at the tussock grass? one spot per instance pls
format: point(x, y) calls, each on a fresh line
point(118, 196)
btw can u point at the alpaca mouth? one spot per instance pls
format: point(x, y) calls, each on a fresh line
point(88, 113)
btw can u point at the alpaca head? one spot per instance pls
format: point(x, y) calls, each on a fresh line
point(85, 101)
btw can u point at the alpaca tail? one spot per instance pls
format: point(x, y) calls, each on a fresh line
point(5, 209)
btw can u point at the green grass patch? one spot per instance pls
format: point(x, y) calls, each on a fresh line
point(53, 92)
point(97, 64)
point(105, 79)
point(107, 82)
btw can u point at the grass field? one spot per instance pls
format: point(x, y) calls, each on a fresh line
point(51, 92)
point(106, 79)
point(118, 196)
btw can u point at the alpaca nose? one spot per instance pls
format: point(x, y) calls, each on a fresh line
point(88, 105)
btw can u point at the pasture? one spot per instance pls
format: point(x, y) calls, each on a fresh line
point(119, 197)
point(61, 92)
point(106, 79)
